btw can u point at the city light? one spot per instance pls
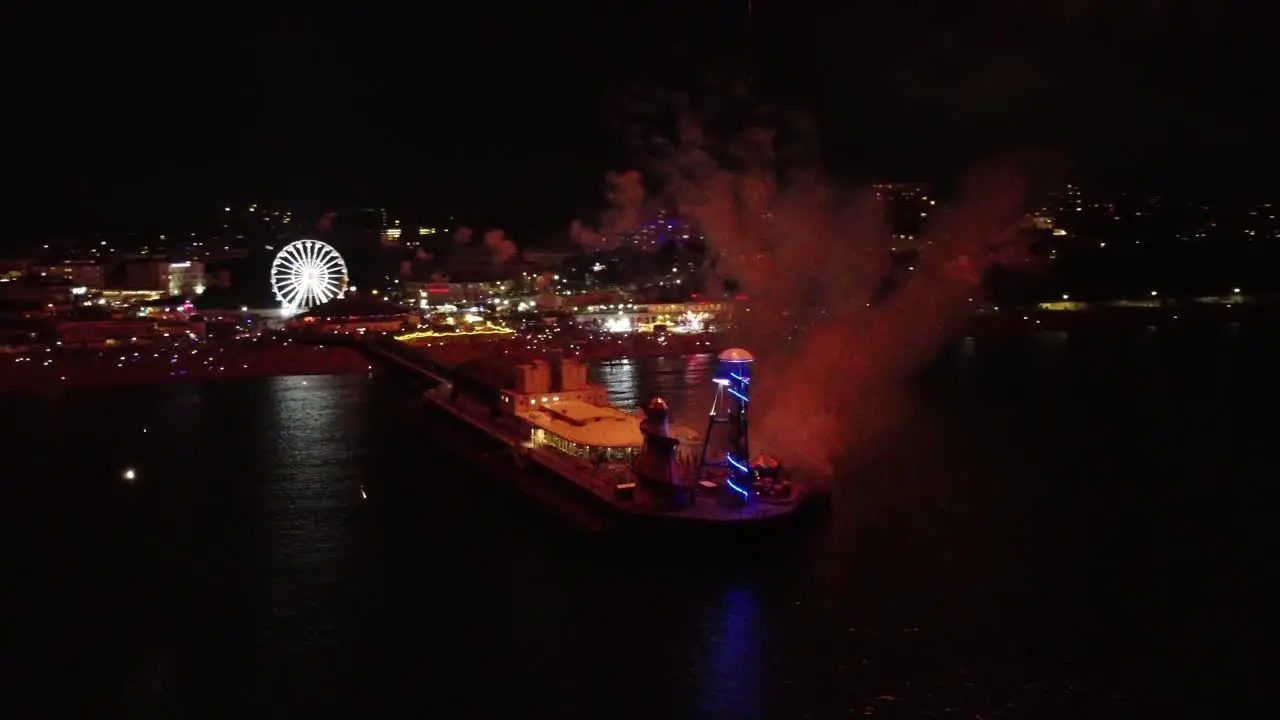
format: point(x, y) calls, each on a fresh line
point(425, 334)
point(695, 321)
point(618, 324)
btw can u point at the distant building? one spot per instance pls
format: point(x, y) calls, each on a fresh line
point(664, 228)
point(460, 288)
point(186, 278)
point(687, 316)
point(354, 315)
point(157, 276)
point(82, 274)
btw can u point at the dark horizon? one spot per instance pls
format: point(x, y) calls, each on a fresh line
point(507, 118)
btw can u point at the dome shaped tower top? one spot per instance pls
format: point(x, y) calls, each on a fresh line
point(736, 355)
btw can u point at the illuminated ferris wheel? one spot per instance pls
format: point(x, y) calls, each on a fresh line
point(307, 273)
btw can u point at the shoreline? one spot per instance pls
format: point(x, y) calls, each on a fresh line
point(57, 369)
point(1015, 321)
point(520, 350)
point(61, 368)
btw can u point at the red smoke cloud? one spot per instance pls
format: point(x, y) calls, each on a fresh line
point(587, 237)
point(625, 197)
point(502, 247)
point(833, 366)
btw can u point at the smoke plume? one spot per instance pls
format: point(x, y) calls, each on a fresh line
point(624, 192)
point(625, 211)
point(500, 245)
point(462, 235)
point(834, 358)
point(586, 237)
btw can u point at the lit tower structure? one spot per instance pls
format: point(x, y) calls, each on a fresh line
point(729, 415)
point(656, 465)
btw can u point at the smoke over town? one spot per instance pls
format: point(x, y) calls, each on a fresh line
point(502, 247)
point(834, 357)
point(587, 237)
point(625, 210)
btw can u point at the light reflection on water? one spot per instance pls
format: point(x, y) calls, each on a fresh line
point(684, 382)
point(307, 495)
point(734, 668)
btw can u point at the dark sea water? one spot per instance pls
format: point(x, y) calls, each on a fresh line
point(1068, 527)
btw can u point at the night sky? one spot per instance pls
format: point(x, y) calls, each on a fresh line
point(503, 116)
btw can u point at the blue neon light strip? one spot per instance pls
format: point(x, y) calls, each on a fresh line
point(744, 469)
point(738, 395)
point(744, 381)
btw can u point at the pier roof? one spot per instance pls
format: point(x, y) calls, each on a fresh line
point(586, 424)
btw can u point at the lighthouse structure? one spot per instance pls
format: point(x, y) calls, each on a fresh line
point(728, 429)
point(657, 467)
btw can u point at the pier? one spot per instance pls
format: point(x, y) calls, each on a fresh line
point(589, 493)
point(403, 357)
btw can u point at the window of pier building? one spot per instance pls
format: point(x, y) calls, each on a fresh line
point(542, 437)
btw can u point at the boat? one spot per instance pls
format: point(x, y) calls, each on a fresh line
point(553, 435)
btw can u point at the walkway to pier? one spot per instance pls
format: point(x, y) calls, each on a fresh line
point(400, 355)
